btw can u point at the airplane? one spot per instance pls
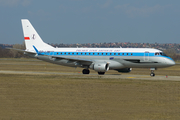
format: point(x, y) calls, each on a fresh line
point(99, 59)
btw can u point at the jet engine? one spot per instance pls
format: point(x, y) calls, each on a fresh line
point(100, 67)
point(51, 58)
point(124, 70)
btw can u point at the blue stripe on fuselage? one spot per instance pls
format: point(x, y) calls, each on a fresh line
point(96, 53)
point(103, 54)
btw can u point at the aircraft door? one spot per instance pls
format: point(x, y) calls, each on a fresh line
point(146, 56)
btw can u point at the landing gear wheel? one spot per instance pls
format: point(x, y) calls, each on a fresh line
point(85, 71)
point(101, 73)
point(152, 74)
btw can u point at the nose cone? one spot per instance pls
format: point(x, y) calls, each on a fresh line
point(171, 62)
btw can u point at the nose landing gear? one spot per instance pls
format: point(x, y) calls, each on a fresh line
point(152, 72)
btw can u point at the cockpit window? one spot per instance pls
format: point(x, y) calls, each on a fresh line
point(163, 54)
point(160, 53)
point(156, 53)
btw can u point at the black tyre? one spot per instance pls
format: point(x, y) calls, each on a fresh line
point(101, 73)
point(85, 71)
point(152, 74)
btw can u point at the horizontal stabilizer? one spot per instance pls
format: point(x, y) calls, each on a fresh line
point(20, 50)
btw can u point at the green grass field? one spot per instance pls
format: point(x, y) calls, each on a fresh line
point(34, 97)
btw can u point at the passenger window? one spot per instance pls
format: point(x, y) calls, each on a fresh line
point(106, 53)
point(127, 53)
point(114, 53)
point(123, 54)
point(110, 53)
point(131, 54)
point(93, 53)
point(118, 53)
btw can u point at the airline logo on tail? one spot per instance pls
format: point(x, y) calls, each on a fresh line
point(33, 36)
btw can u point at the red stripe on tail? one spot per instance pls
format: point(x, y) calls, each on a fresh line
point(26, 38)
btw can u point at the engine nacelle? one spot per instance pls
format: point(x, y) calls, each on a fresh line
point(51, 58)
point(124, 70)
point(100, 67)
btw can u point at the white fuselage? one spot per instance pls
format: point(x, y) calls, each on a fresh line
point(116, 57)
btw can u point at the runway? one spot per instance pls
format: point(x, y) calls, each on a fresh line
point(106, 76)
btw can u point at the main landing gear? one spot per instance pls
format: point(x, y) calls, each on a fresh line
point(152, 72)
point(85, 71)
point(101, 73)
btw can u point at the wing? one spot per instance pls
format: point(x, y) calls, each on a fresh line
point(78, 60)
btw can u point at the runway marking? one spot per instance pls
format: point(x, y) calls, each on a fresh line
point(172, 78)
point(140, 77)
point(145, 77)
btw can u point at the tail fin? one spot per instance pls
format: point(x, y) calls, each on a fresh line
point(32, 38)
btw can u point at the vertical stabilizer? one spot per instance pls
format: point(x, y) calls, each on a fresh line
point(32, 38)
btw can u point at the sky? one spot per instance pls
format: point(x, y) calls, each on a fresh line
point(92, 21)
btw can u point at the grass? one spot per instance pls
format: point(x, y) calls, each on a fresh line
point(40, 66)
point(37, 97)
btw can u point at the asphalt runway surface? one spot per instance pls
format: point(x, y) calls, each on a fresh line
point(107, 76)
